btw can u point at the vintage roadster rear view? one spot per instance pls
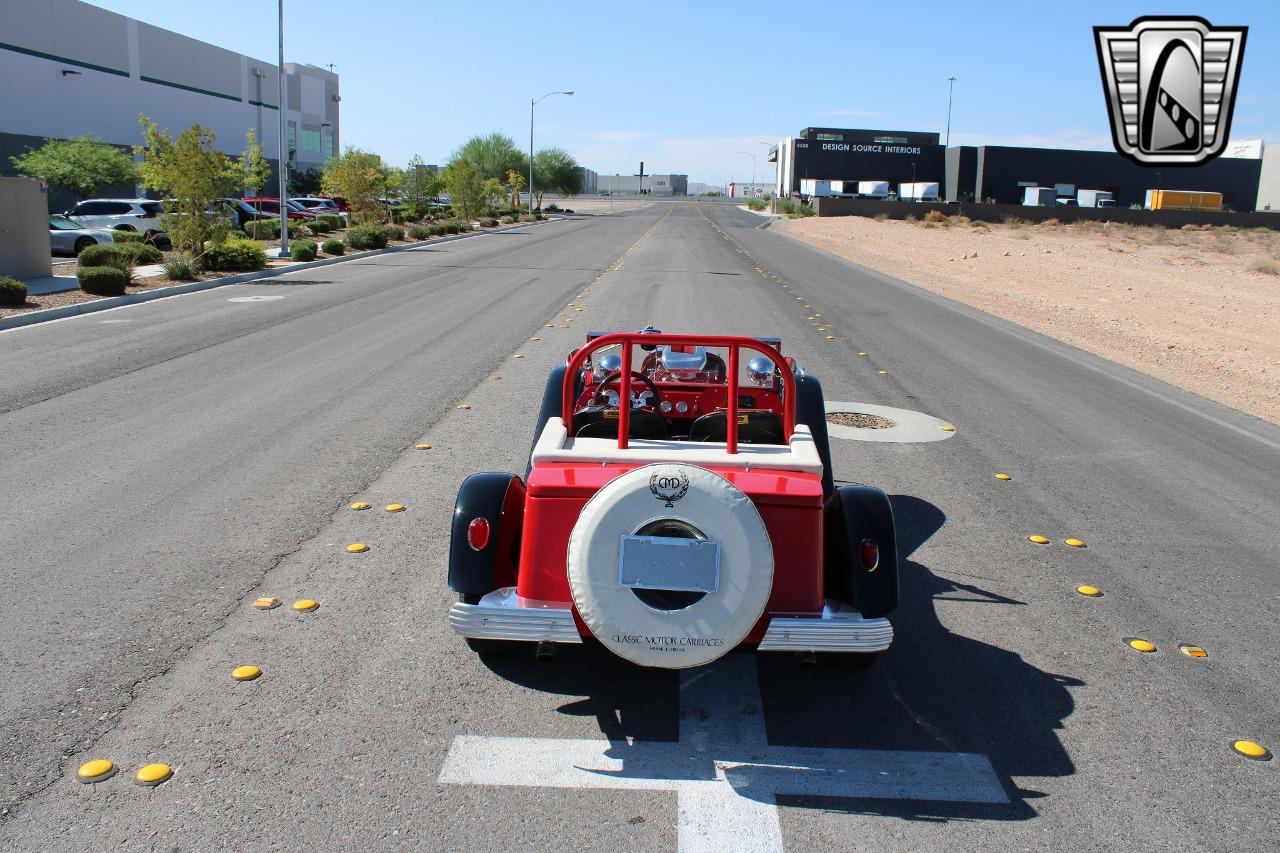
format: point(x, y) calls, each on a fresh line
point(679, 502)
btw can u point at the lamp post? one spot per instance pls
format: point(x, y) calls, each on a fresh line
point(950, 91)
point(753, 169)
point(532, 104)
point(282, 150)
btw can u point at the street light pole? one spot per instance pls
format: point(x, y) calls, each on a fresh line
point(753, 168)
point(950, 91)
point(283, 151)
point(532, 103)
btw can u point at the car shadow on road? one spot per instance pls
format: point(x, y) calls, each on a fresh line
point(934, 691)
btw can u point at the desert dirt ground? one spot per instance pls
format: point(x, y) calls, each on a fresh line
point(1199, 309)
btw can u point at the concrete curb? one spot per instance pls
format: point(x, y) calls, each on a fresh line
point(19, 320)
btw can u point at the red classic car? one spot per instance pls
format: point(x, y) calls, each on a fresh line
point(678, 502)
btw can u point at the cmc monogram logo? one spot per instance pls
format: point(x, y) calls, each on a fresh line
point(668, 487)
point(1170, 85)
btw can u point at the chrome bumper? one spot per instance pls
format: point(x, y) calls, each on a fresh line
point(503, 615)
point(840, 628)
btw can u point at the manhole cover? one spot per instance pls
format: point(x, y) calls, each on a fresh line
point(859, 420)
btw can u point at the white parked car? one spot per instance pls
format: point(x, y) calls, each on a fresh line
point(119, 214)
point(70, 238)
point(319, 205)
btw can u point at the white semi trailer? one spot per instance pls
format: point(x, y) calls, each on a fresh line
point(1039, 197)
point(918, 191)
point(873, 189)
point(1095, 198)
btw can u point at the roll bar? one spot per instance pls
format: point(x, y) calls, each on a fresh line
point(630, 339)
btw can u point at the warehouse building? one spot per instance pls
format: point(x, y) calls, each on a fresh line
point(648, 184)
point(85, 70)
point(999, 174)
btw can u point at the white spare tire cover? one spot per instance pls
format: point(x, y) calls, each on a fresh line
point(709, 627)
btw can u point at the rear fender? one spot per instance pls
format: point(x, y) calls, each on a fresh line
point(855, 513)
point(811, 410)
point(499, 500)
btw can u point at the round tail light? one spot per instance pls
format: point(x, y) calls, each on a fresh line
point(478, 533)
point(868, 555)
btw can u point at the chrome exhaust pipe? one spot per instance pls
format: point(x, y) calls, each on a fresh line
point(807, 659)
point(545, 652)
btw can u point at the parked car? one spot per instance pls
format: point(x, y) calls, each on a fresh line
point(120, 214)
point(271, 207)
point(317, 204)
point(67, 236)
point(243, 211)
point(679, 501)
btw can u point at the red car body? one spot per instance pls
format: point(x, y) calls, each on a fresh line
point(821, 575)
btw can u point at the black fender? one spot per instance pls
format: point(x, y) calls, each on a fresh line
point(551, 401)
point(811, 410)
point(855, 513)
point(499, 500)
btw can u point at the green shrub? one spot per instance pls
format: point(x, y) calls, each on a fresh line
point(181, 268)
point(419, 232)
point(551, 208)
point(488, 222)
point(333, 220)
point(303, 250)
point(236, 256)
point(319, 227)
point(366, 237)
point(508, 220)
point(452, 227)
point(757, 203)
point(118, 255)
point(102, 281)
point(436, 229)
point(333, 247)
point(127, 237)
point(393, 232)
point(143, 253)
point(263, 229)
point(12, 292)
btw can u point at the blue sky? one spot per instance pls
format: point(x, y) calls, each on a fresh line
point(686, 86)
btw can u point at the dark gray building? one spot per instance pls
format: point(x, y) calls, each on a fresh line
point(994, 172)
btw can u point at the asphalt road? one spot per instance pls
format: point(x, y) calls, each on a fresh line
point(169, 462)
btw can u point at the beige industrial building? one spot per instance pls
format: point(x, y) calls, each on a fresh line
point(84, 70)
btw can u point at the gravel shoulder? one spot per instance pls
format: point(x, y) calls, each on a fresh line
point(1196, 309)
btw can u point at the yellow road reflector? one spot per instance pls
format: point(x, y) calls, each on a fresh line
point(535, 339)
point(153, 774)
point(947, 428)
point(831, 337)
point(423, 446)
point(1074, 543)
point(1091, 591)
point(266, 603)
point(360, 505)
point(808, 306)
point(394, 507)
point(1003, 476)
point(305, 605)
point(1192, 651)
point(517, 355)
point(248, 672)
point(1140, 645)
point(464, 405)
point(817, 315)
point(549, 326)
point(494, 378)
point(884, 373)
point(1038, 539)
point(1250, 749)
point(357, 548)
point(863, 354)
point(97, 770)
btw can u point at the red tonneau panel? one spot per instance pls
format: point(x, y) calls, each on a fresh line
point(563, 479)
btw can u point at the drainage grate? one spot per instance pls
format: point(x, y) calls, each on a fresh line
point(859, 420)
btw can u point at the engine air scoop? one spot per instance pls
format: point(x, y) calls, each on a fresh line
point(669, 563)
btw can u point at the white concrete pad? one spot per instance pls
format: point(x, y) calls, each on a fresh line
point(909, 426)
